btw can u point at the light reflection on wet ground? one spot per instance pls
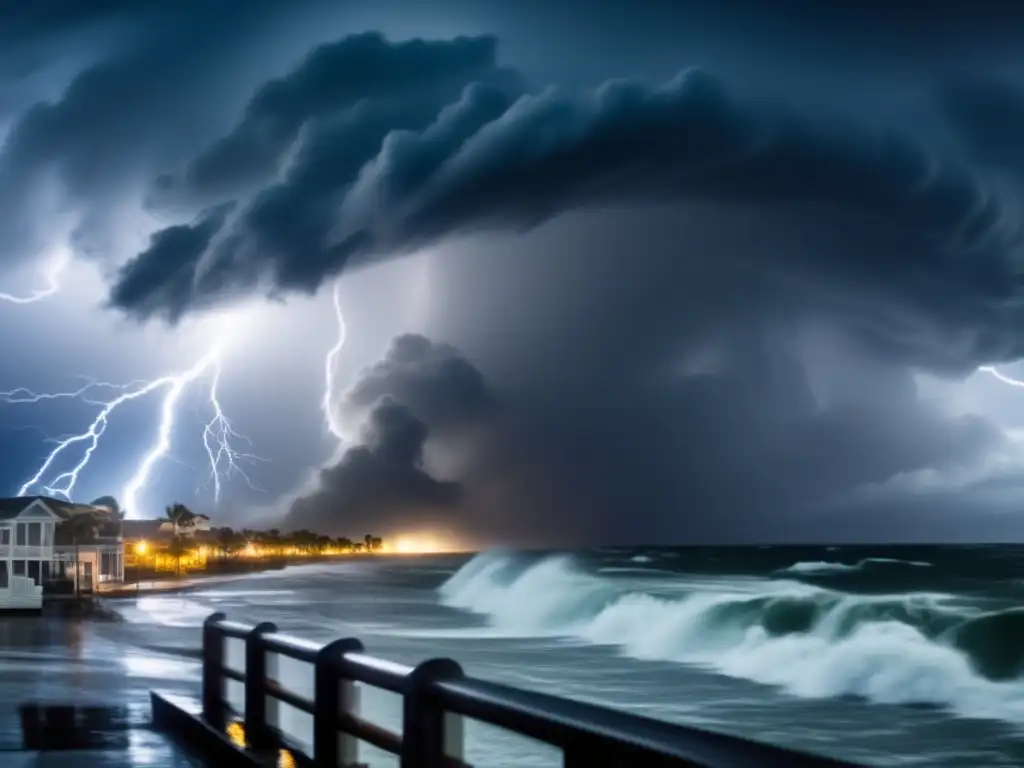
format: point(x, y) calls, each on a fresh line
point(75, 688)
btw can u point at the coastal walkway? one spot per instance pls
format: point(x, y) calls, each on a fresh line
point(69, 699)
point(74, 695)
point(271, 699)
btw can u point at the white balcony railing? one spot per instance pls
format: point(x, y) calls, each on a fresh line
point(26, 552)
point(21, 592)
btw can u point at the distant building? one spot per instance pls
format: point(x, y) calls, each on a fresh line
point(44, 541)
point(163, 530)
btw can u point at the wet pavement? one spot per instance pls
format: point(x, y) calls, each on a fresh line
point(71, 694)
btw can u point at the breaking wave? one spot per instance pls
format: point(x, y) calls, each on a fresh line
point(812, 642)
point(819, 567)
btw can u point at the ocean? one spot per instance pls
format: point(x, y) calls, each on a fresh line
point(880, 655)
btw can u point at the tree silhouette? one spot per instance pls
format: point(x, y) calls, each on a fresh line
point(229, 540)
point(180, 516)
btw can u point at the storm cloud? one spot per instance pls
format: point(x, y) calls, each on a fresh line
point(331, 79)
point(686, 288)
point(433, 380)
point(989, 116)
point(889, 217)
point(420, 390)
point(379, 484)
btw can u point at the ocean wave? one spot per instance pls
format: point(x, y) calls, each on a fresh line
point(637, 571)
point(812, 642)
point(820, 567)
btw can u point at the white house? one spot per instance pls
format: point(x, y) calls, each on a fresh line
point(27, 532)
point(37, 548)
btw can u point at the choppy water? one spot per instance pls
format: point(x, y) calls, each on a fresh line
point(888, 656)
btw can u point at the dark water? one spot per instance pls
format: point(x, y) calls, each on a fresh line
point(884, 655)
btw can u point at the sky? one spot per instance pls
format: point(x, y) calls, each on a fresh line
point(530, 274)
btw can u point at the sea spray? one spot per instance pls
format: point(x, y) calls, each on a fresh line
point(812, 642)
point(822, 567)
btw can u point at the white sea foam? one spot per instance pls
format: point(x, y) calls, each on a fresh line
point(819, 566)
point(808, 641)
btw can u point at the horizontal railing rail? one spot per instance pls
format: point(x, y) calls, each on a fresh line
point(436, 698)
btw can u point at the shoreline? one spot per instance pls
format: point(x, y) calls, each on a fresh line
point(172, 584)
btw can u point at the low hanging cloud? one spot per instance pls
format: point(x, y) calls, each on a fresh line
point(419, 391)
point(160, 262)
point(603, 454)
point(379, 485)
point(890, 220)
point(434, 380)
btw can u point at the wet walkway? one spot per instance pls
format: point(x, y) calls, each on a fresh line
point(72, 695)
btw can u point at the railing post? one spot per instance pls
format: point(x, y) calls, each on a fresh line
point(256, 732)
point(429, 737)
point(213, 671)
point(594, 756)
point(334, 695)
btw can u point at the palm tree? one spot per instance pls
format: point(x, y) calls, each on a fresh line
point(304, 540)
point(180, 516)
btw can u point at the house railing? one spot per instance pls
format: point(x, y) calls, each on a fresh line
point(23, 586)
point(436, 698)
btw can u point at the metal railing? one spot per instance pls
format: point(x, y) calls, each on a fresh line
point(436, 697)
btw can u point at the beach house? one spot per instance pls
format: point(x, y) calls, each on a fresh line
point(47, 542)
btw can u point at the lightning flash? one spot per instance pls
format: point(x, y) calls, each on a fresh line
point(993, 371)
point(53, 272)
point(220, 439)
point(219, 436)
point(331, 365)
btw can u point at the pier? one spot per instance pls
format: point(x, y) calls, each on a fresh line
point(251, 712)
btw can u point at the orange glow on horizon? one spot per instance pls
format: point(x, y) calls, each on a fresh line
point(419, 544)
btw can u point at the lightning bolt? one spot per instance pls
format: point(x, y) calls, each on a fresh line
point(53, 273)
point(993, 371)
point(218, 437)
point(218, 433)
point(331, 365)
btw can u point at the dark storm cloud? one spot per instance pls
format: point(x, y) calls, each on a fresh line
point(79, 158)
point(333, 78)
point(161, 263)
point(598, 450)
point(928, 234)
point(380, 484)
point(989, 114)
point(345, 99)
point(640, 388)
point(677, 402)
point(419, 390)
point(433, 380)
